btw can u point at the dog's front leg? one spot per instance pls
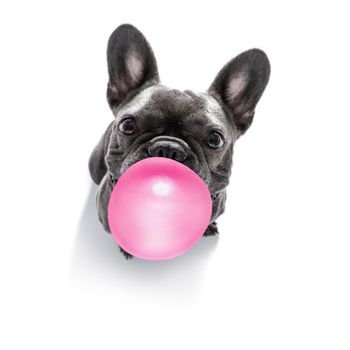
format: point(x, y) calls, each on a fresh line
point(218, 209)
point(102, 199)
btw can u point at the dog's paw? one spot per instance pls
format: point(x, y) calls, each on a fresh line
point(126, 254)
point(211, 230)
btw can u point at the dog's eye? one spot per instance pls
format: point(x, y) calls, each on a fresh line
point(127, 126)
point(215, 139)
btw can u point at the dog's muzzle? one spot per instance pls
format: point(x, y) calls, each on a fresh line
point(168, 147)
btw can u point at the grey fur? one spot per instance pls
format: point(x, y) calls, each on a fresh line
point(177, 120)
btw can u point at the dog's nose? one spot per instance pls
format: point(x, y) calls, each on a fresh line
point(167, 149)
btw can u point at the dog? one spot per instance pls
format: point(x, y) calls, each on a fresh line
point(152, 120)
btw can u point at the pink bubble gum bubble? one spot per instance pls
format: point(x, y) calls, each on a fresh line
point(159, 209)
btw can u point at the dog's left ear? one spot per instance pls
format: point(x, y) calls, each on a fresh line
point(131, 63)
point(240, 84)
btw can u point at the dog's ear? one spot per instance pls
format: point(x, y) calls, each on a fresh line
point(131, 63)
point(240, 84)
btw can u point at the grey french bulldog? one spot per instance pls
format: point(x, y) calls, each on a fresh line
point(152, 120)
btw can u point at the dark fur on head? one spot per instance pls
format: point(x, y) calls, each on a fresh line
point(182, 125)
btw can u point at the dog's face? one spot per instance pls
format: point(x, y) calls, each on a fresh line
point(190, 128)
point(197, 129)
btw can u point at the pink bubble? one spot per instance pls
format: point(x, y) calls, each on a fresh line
point(159, 209)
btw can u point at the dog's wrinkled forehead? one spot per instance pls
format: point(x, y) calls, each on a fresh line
point(170, 104)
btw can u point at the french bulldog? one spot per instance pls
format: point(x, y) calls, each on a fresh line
point(152, 120)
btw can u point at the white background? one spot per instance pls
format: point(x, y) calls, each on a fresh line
point(278, 275)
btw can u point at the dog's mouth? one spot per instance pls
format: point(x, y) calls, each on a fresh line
point(167, 147)
point(114, 181)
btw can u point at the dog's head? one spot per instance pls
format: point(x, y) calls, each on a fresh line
point(197, 129)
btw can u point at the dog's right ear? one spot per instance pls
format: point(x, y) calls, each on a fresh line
point(240, 84)
point(131, 63)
